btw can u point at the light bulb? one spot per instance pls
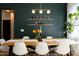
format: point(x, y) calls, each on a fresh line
point(40, 11)
point(7, 10)
point(33, 11)
point(48, 11)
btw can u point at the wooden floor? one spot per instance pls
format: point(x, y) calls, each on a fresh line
point(29, 54)
point(32, 54)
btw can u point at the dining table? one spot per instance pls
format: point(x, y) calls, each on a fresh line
point(29, 43)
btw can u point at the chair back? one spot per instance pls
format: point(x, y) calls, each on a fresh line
point(42, 48)
point(2, 40)
point(49, 37)
point(26, 37)
point(63, 48)
point(20, 48)
point(3, 48)
point(74, 49)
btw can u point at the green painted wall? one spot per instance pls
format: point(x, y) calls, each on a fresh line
point(23, 13)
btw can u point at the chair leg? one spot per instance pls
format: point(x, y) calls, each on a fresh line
point(69, 54)
point(65, 55)
point(61, 55)
point(48, 54)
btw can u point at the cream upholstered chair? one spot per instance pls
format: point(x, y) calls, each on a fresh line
point(20, 48)
point(42, 48)
point(74, 49)
point(4, 50)
point(63, 48)
point(2, 40)
point(26, 37)
point(49, 37)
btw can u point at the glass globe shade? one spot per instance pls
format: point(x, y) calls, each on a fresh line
point(48, 11)
point(33, 11)
point(40, 11)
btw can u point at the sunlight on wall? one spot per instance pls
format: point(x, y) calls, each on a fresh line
point(72, 7)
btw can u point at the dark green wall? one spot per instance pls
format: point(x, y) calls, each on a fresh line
point(23, 13)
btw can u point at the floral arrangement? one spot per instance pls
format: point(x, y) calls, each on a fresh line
point(38, 34)
point(37, 31)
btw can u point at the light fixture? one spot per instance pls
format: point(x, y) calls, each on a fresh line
point(7, 10)
point(48, 11)
point(33, 11)
point(40, 11)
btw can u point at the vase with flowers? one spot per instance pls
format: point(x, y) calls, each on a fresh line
point(38, 33)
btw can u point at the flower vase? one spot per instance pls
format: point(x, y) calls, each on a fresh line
point(38, 37)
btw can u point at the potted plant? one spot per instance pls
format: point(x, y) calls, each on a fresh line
point(70, 22)
point(70, 25)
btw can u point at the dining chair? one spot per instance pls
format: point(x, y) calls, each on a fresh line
point(26, 37)
point(63, 48)
point(42, 48)
point(74, 49)
point(49, 37)
point(20, 48)
point(4, 50)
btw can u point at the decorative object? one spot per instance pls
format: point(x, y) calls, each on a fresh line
point(72, 17)
point(70, 25)
point(72, 21)
point(22, 30)
point(38, 34)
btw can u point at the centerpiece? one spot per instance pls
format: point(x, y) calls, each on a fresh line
point(37, 33)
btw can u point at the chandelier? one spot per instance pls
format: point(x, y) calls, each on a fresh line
point(41, 10)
